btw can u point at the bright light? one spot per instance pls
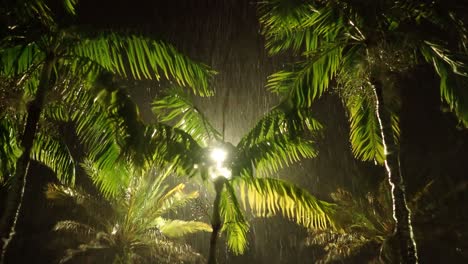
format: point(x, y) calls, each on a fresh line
point(225, 172)
point(216, 172)
point(218, 155)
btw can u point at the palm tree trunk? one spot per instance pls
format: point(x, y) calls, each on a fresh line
point(16, 191)
point(216, 220)
point(401, 213)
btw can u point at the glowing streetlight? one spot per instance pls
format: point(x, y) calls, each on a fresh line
point(219, 155)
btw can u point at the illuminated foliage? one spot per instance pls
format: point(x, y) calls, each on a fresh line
point(272, 144)
point(132, 226)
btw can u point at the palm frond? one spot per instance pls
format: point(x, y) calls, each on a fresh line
point(365, 226)
point(27, 11)
point(395, 120)
point(300, 26)
point(268, 196)
point(365, 134)
point(111, 180)
point(272, 155)
point(166, 145)
point(60, 195)
point(176, 107)
point(281, 24)
point(127, 126)
point(56, 192)
point(279, 139)
point(79, 230)
point(233, 221)
point(453, 73)
point(20, 66)
point(19, 59)
point(307, 80)
point(57, 112)
point(340, 247)
point(456, 62)
point(179, 228)
point(165, 251)
point(10, 149)
point(174, 199)
point(94, 129)
point(151, 198)
point(70, 6)
point(319, 32)
point(133, 229)
point(145, 59)
point(54, 153)
point(288, 122)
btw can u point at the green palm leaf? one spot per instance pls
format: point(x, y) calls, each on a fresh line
point(166, 145)
point(233, 221)
point(280, 122)
point(131, 226)
point(52, 152)
point(94, 130)
point(179, 228)
point(300, 26)
point(317, 31)
point(110, 180)
point(152, 198)
point(19, 59)
point(365, 135)
point(26, 12)
point(309, 79)
point(453, 73)
point(268, 196)
point(281, 21)
point(126, 124)
point(20, 66)
point(9, 150)
point(270, 156)
point(275, 142)
point(143, 58)
point(176, 107)
point(70, 6)
point(175, 199)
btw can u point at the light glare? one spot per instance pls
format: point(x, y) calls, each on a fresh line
point(218, 155)
point(220, 172)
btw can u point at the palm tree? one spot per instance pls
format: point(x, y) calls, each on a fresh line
point(38, 51)
point(366, 229)
point(131, 226)
point(363, 48)
point(276, 141)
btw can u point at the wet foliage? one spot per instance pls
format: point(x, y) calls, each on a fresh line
point(226, 36)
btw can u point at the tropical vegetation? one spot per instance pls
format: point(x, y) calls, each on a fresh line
point(132, 225)
point(362, 50)
point(89, 174)
point(272, 144)
point(38, 60)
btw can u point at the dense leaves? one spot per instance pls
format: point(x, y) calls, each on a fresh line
point(354, 45)
point(278, 140)
point(133, 224)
